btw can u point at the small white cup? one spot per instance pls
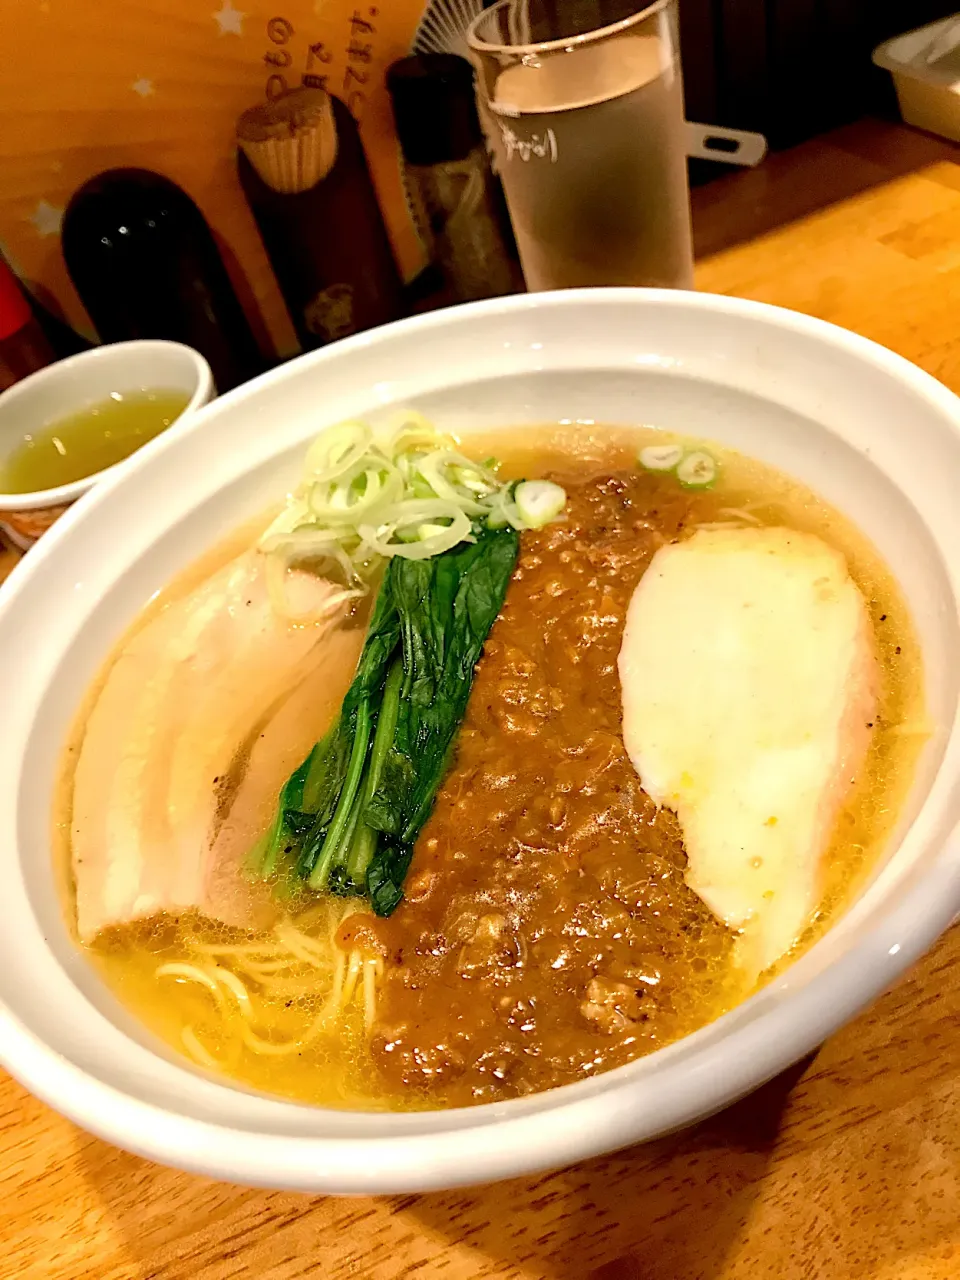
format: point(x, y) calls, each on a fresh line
point(68, 387)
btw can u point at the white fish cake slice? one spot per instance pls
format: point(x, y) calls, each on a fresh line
point(749, 682)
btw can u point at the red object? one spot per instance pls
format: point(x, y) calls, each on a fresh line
point(14, 309)
point(23, 345)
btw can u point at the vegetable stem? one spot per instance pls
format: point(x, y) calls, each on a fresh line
point(363, 843)
point(341, 817)
point(362, 848)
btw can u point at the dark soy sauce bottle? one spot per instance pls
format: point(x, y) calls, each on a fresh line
point(304, 173)
point(146, 265)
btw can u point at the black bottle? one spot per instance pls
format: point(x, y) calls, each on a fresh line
point(146, 265)
point(303, 170)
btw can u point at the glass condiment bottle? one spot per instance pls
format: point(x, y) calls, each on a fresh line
point(447, 165)
point(303, 170)
point(23, 345)
point(146, 265)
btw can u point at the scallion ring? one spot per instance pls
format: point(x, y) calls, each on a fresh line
point(660, 457)
point(336, 450)
point(698, 470)
point(413, 514)
point(538, 502)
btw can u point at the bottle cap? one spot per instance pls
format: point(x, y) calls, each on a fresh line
point(14, 309)
point(434, 107)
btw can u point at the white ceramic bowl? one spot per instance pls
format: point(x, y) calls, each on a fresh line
point(870, 432)
point(68, 387)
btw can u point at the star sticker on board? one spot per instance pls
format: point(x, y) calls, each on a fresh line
point(47, 218)
point(229, 19)
point(143, 87)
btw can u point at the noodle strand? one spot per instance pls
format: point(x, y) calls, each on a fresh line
point(196, 1049)
point(292, 966)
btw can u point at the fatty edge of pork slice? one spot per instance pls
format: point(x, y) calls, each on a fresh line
point(749, 683)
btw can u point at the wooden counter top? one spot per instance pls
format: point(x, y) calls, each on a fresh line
point(845, 1168)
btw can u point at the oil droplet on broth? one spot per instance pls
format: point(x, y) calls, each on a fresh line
point(90, 440)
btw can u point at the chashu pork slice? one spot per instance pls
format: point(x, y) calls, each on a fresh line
point(280, 744)
point(749, 683)
point(170, 729)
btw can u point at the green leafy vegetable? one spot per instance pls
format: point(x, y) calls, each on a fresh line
point(349, 816)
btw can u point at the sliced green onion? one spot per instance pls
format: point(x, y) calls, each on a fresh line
point(337, 450)
point(409, 493)
point(538, 502)
point(294, 514)
point(660, 457)
point(471, 478)
point(346, 501)
point(433, 467)
point(416, 513)
point(503, 509)
point(698, 470)
point(409, 430)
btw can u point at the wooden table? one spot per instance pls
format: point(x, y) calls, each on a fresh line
point(846, 1167)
